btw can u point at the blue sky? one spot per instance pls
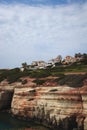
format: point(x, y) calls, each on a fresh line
point(41, 29)
point(44, 2)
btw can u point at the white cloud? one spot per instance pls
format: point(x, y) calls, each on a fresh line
point(30, 33)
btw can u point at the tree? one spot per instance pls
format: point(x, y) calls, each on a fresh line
point(78, 55)
point(24, 65)
point(59, 57)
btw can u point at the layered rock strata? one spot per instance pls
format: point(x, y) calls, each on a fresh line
point(60, 107)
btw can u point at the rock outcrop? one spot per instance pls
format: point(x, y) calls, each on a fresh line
point(60, 107)
point(6, 94)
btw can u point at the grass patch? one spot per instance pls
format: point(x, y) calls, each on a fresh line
point(72, 80)
point(40, 73)
point(13, 75)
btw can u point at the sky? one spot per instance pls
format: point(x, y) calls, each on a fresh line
point(33, 30)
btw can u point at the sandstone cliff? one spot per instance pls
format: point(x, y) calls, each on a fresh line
point(60, 107)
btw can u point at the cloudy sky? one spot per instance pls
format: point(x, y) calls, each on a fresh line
point(41, 29)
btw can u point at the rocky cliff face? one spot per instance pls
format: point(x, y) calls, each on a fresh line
point(60, 107)
point(6, 94)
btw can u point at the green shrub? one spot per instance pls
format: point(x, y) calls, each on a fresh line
point(39, 82)
point(13, 75)
point(72, 80)
point(40, 73)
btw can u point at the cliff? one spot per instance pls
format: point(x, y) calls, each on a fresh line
point(6, 94)
point(60, 107)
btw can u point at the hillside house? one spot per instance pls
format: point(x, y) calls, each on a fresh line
point(38, 64)
point(69, 59)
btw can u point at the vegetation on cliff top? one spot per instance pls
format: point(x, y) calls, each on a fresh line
point(60, 72)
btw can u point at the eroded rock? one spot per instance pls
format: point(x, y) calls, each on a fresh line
point(63, 109)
